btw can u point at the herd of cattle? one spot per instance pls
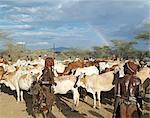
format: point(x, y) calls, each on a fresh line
point(99, 77)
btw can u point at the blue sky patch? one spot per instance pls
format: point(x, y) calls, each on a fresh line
point(73, 23)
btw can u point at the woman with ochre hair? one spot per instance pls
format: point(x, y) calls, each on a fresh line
point(128, 91)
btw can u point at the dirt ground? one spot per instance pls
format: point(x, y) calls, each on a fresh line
point(10, 109)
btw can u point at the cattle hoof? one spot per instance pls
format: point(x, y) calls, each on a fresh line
point(94, 107)
point(30, 116)
point(72, 109)
point(29, 93)
point(98, 107)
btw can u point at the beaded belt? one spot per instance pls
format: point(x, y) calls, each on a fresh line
point(130, 100)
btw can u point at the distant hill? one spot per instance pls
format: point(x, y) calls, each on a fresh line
point(60, 49)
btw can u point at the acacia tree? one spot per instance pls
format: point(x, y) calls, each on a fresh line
point(102, 51)
point(144, 36)
point(76, 53)
point(124, 49)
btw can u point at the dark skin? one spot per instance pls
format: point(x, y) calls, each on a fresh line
point(48, 75)
point(43, 88)
point(123, 88)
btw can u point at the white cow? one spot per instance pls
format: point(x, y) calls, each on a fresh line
point(96, 83)
point(120, 69)
point(58, 67)
point(103, 66)
point(39, 61)
point(20, 63)
point(65, 84)
point(143, 74)
point(87, 70)
point(18, 80)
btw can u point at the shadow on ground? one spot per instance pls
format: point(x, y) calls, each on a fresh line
point(65, 109)
point(95, 114)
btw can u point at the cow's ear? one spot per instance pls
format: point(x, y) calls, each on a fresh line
point(17, 68)
point(4, 72)
point(36, 75)
point(84, 75)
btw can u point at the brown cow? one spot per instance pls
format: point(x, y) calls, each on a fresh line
point(78, 64)
point(73, 65)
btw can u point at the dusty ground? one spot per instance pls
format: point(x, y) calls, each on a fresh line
point(10, 109)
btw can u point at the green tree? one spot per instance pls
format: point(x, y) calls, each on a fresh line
point(76, 53)
point(124, 49)
point(102, 51)
point(145, 36)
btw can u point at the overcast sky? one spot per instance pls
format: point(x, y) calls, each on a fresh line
point(73, 23)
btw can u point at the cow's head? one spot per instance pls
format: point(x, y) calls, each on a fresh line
point(78, 80)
